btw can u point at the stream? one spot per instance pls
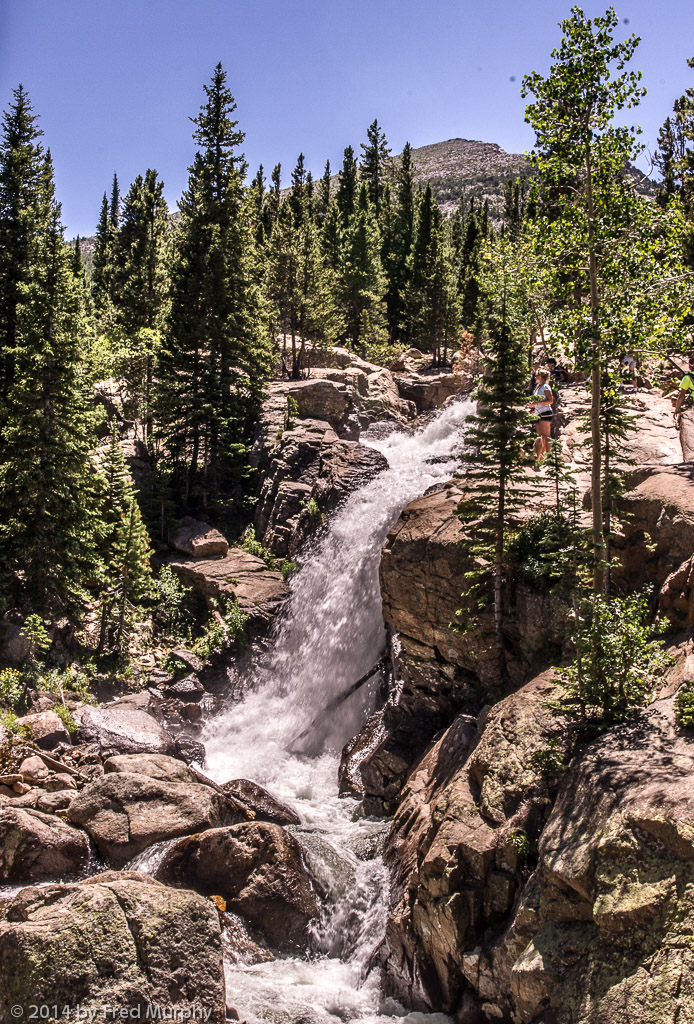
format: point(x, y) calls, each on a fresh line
point(331, 633)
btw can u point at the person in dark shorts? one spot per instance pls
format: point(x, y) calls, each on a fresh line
point(541, 403)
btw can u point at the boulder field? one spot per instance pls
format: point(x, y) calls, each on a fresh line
point(524, 890)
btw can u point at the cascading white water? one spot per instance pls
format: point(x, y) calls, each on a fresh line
point(330, 635)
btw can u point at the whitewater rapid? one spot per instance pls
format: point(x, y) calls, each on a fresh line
point(331, 633)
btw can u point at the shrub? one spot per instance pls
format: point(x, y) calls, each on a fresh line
point(618, 658)
point(684, 705)
point(170, 596)
point(542, 549)
point(220, 636)
point(66, 718)
point(252, 546)
point(11, 689)
point(288, 568)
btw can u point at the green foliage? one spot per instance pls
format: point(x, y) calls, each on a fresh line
point(311, 507)
point(222, 633)
point(520, 843)
point(217, 355)
point(65, 716)
point(542, 549)
point(288, 568)
point(549, 761)
point(170, 597)
point(74, 680)
point(292, 412)
point(618, 658)
point(11, 689)
point(684, 705)
point(34, 629)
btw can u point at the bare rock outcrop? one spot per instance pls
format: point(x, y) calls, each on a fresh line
point(198, 539)
point(238, 576)
point(124, 941)
point(258, 869)
point(124, 813)
point(264, 805)
point(443, 672)
point(35, 847)
point(123, 728)
point(469, 816)
point(602, 930)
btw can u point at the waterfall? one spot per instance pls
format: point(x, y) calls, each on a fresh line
point(330, 634)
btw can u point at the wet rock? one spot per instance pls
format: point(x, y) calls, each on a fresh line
point(198, 539)
point(430, 389)
point(190, 750)
point(191, 661)
point(121, 941)
point(258, 869)
point(36, 846)
point(122, 729)
point(47, 729)
point(155, 766)
point(307, 463)
point(355, 753)
point(265, 806)
point(124, 813)
point(239, 576)
point(187, 689)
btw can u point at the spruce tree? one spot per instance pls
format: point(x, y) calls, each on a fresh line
point(323, 196)
point(49, 522)
point(432, 301)
point(271, 207)
point(217, 356)
point(141, 254)
point(347, 184)
point(256, 202)
point(400, 237)
point(24, 207)
point(375, 166)
point(361, 283)
point(128, 578)
point(497, 447)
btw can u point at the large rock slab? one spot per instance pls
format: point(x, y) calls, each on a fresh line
point(307, 463)
point(126, 942)
point(238, 576)
point(155, 766)
point(263, 804)
point(431, 388)
point(35, 847)
point(258, 868)
point(452, 846)
point(47, 729)
point(603, 930)
point(123, 729)
point(124, 813)
point(198, 539)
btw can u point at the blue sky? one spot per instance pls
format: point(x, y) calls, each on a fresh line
point(115, 81)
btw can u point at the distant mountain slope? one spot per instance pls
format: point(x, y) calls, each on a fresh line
point(478, 170)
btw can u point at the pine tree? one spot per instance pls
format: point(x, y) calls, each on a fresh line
point(128, 578)
point(24, 206)
point(497, 448)
point(103, 266)
point(375, 166)
point(114, 206)
point(347, 183)
point(217, 355)
point(431, 299)
point(323, 197)
point(271, 208)
point(141, 252)
point(361, 283)
point(49, 522)
point(397, 250)
point(256, 202)
point(121, 540)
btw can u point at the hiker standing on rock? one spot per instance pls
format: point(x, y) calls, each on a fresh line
point(541, 402)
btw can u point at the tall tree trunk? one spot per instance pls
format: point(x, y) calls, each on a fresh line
point(596, 463)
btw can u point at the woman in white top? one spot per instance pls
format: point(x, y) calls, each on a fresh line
point(541, 402)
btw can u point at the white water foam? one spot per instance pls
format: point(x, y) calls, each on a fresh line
point(331, 634)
